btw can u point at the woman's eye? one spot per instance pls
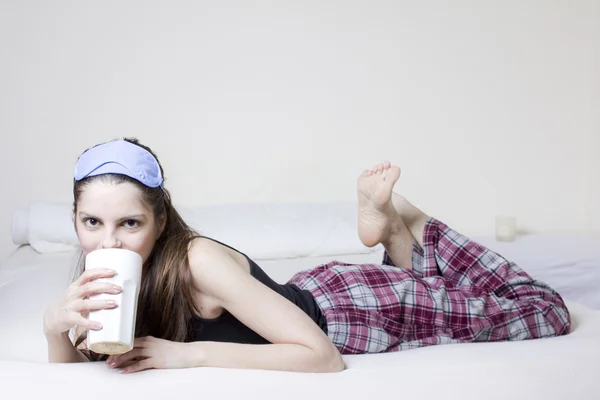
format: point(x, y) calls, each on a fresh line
point(90, 222)
point(131, 223)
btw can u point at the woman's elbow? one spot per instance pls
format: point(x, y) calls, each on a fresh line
point(337, 364)
point(331, 361)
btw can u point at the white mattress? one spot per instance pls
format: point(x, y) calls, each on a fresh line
point(556, 368)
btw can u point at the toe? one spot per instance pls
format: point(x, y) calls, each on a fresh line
point(392, 175)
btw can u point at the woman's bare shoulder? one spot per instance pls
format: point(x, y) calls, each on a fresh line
point(202, 246)
point(204, 254)
point(204, 251)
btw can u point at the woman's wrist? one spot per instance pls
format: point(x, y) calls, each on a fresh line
point(194, 354)
point(49, 330)
point(53, 335)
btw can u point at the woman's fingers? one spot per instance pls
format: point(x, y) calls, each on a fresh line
point(92, 288)
point(111, 359)
point(68, 311)
point(82, 305)
point(138, 344)
point(86, 323)
point(132, 362)
point(126, 357)
point(96, 273)
point(139, 366)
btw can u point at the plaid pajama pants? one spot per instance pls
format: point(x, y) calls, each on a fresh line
point(457, 292)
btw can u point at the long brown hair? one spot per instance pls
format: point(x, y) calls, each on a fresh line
point(165, 304)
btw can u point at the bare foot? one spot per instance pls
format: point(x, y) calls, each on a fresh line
point(412, 218)
point(375, 209)
point(400, 203)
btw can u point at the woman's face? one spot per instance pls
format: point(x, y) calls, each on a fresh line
point(115, 216)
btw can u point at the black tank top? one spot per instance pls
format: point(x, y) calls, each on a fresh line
point(227, 328)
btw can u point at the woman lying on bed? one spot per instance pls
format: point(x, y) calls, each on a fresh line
point(203, 303)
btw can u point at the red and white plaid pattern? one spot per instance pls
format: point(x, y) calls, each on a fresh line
point(458, 291)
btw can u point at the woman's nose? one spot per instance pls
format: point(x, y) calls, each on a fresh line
point(110, 242)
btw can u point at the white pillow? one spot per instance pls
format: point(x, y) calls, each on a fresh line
point(20, 226)
point(50, 227)
point(282, 230)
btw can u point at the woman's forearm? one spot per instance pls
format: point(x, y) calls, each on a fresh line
point(61, 349)
point(280, 357)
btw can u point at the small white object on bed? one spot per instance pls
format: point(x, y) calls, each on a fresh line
point(556, 368)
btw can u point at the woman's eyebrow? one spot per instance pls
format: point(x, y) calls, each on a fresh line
point(134, 216)
point(83, 213)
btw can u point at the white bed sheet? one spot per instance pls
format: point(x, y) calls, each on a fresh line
point(569, 263)
point(556, 368)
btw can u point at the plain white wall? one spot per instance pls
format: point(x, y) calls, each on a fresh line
point(489, 107)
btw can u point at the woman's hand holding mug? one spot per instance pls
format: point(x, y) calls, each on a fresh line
point(71, 308)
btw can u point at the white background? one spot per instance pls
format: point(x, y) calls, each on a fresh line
point(490, 107)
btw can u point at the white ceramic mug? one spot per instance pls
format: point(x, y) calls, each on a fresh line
point(118, 324)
